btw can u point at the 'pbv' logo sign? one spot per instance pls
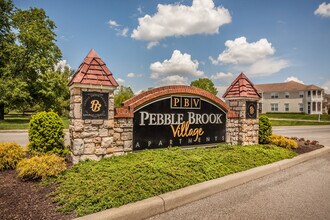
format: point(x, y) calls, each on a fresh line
point(182, 102)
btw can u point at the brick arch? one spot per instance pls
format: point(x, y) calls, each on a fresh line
point(129, 106)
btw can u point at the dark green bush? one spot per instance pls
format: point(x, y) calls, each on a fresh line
point(40, 167)
point(46, 133)
point(10, 155)
point(265, 130)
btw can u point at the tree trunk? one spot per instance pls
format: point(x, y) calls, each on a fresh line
point(2, 111)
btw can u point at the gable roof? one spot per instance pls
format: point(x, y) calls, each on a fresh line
point(285, 87)
point(93, 71)
point(241, 87)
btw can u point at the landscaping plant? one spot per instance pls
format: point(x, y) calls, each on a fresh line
point(284, 142)
point(92, 186)
point(265, 130)
point(10, 155)
point(46, 134)
point(40, 167)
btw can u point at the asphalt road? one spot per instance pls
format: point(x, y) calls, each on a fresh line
point(319, 133)
point(22, 138)
point(300, 192)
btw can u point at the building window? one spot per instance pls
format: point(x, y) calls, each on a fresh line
point(309, 93)
point(319, 93)
point(301, 107)
point(314, 106)
point(319, 106)
point(274, 107)
point(314, 93)
point(287, 95)
point(286, 107)
point(301, 94)
point(274, 95)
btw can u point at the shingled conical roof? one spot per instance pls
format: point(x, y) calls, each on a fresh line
point(241, 87)
point(93, 71)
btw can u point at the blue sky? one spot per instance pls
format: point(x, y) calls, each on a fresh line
point(153, 43)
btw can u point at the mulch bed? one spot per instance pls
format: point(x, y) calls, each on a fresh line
point(306, 146)
point(28, 200)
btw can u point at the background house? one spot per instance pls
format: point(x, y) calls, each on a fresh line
point(290, 97)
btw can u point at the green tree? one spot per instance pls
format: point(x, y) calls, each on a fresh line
point(26, 55)
point(122, 93)
point(206, 84)
point(54, 91)
point(6, 40)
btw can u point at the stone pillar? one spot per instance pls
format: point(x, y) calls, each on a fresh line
point(244, 129)
point(243, 122)
point(90, 138)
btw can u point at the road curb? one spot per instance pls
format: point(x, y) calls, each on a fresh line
point(168, 201)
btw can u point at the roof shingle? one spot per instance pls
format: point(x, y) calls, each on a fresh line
point(241, 87)
point(93, 71)
point(285, 87)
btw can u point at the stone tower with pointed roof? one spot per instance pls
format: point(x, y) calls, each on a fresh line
point(242, 97)
point(91, 109)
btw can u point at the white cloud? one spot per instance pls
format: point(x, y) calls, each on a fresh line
point(293, 78)
point(255, 59)
point(224, 76)
point(326, 87)
point(140, 10)
point(179, 64)
point(132, 75)
point(122, 32)
point(61, 65)
point(323, 10)
point(152, 44)
point(267, 67)
point(173, 80)
point(113, 23)
point(203, 17)
point(239, 51)
point(119, 80)
point(119, 31)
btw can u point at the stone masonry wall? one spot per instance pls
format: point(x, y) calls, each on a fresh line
point(95, 139)
point(241, 130)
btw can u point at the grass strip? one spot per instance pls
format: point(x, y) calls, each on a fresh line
point(298, 116)
point(22, 122)
point(92, 186)
point(296, 123)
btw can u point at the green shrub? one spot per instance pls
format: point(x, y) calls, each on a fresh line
point(46, 133)
point(265, 130)
point(40, 167)
point(284, 142)
point(10, 155)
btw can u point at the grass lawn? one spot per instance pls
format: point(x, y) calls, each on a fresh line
point(298, 116)
point(16, 122)
point(297, 123)
point(92, 186)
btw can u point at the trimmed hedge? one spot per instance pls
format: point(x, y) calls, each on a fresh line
point(46, 133)
point(265, 130)
point(40, 167)
point(10, 155)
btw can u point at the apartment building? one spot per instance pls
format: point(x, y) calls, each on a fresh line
point(290, 97)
